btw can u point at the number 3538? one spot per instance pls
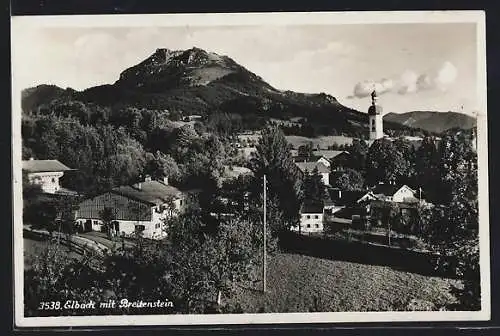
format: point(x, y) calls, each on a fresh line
point(50, 305)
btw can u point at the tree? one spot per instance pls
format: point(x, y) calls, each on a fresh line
point(231, 252)
point(273, 158)
point(187, 263)
point(161, 165)
point(457, 168)
point(426, 168)
point(468, 269)
point(306, 150)
point(314, 188)
point(66, 207)
point(53, 276)
point(108, 216)
point(350, 179)
point(386, 163)
point(358, 152)
point(404, 146)
point(42, 214)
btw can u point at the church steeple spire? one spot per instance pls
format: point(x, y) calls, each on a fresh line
point(374, 97)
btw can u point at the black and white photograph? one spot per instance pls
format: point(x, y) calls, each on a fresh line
point(183, 169)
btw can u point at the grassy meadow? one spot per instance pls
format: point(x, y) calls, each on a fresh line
point(298, 283)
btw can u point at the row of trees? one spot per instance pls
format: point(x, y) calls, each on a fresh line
point(106, 156)
point(428, 165)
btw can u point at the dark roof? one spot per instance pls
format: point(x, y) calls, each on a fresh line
point(65, 191)
point(152, 192)
point(310, 166)
point(347, 197)
point(311, 208)
point(329, 154)
point(375, 109)
point(38, 166)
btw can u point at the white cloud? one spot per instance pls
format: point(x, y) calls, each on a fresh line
point(409, 82)
point(447, 75)
point(425, 82)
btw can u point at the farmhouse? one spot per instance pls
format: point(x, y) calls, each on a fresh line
point(335, 158)
point(309, 167)
point(398, 194)
point(46, 173)
point(349, 203)
point(141, 207)
point(311, 218)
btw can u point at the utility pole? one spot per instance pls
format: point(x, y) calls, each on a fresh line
point(265, 234)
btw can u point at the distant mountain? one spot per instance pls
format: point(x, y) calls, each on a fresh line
point(437, 122)
point(195, 81)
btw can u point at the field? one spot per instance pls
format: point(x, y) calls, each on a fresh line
point(294, 281)
point(323, 141)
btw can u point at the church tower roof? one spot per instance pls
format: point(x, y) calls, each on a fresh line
point(374, 108)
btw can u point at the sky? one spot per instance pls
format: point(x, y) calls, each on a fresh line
point(418, 66)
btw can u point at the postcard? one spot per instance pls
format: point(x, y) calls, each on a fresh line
point(250, 168)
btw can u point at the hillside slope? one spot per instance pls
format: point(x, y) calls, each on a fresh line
point(432, 121)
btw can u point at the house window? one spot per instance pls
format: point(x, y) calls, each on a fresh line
point(316, 216)
point(53, 180)
point(316, 225)
point(180, 202)
point(157, 226)
point(140, 228)
point(96, 222)
point(308, 225)
point(308, 217)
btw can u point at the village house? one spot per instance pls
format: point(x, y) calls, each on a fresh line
point(316, 159)
point(309, 167)
point(398, 194)
point(311, 218)
point(141, 207)
point(335, 159)
point(349, 205)
point(46, 173)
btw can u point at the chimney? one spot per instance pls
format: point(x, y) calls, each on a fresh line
point(138, 185)
point(340, 194)
point(165, 180)
point(31, 158)
point(147, 178)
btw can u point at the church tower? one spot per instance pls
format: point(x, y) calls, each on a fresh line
point(375, 115)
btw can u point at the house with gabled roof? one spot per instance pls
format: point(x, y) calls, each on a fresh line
point(337, 159)
point(46, 173)
point(142, 207)
point(311, 218)
point(397, 193)
point(309, 167)
point(348, 203)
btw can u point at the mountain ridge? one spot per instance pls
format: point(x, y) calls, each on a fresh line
point(432, 121)
point(194, 81)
